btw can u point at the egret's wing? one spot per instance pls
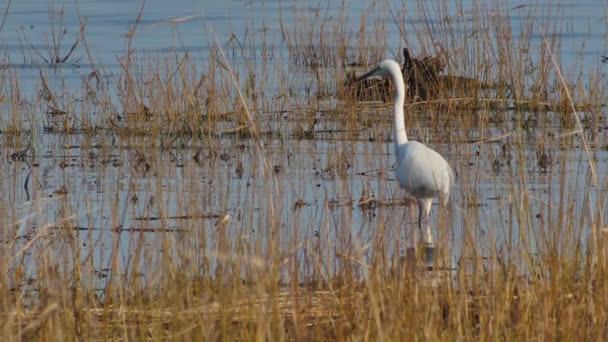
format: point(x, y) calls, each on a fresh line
point(423, 172)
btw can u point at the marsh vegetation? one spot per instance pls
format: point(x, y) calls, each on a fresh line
point(238, 190)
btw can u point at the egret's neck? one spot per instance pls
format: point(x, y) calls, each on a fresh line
point(400, 135)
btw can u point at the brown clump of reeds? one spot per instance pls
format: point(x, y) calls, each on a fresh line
point(215, 239)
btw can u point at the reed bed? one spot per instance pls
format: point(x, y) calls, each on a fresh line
point(251, 196)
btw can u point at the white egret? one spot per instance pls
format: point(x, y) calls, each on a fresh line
point(421, 171)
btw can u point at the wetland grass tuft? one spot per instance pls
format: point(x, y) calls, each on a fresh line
point(249, 197)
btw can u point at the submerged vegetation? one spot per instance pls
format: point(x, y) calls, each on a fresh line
point(251, 195)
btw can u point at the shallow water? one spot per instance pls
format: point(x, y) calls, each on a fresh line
point(132, 190)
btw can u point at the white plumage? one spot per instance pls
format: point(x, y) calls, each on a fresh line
point(421, 171)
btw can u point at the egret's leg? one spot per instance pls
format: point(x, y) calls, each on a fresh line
point(428, 238)
point(420, 209)
point(410, 227)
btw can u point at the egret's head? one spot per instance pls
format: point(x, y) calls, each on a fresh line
point(386, 67)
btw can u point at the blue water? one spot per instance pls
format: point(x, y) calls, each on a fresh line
point(73, 178)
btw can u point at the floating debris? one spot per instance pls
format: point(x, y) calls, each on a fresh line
point(423, 77)
point(179, 217)
point(367, 203)
point(367, 90)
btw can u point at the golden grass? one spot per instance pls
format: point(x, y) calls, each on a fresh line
point(241, 203)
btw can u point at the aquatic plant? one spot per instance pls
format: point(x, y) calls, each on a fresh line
point(248, 197)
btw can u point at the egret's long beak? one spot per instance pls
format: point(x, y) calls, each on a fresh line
point(377, 71)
